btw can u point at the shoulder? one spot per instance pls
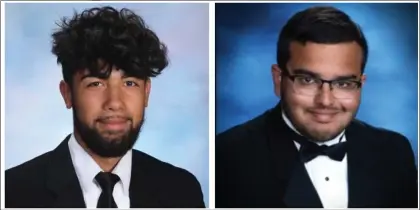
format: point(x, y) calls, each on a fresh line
point(163, 170)
point(392, 152)
point(24, 183)
point(382, 138)
point(172, 184)
point(242, 134)
point(34, 166)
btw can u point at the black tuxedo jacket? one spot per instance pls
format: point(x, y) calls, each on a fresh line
point(257, 165)
point(51, 181)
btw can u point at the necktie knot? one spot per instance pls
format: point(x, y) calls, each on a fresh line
point(107, 180)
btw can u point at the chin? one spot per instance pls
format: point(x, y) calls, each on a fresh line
point(322, 136)
point(114, 137)
point(322, 132)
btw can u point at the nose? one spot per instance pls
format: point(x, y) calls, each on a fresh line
point(325, 96)
point(114, 101)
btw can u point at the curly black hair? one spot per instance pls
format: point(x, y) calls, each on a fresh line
point(101, 38)
point(320, 24)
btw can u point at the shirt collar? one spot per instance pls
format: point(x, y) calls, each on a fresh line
point(328, 143)
point(86, 168)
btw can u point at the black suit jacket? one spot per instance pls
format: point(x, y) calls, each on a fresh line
point(257, 165)
point(51, 181)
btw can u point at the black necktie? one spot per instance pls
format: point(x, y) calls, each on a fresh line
point(309, 150)
point(107, 182)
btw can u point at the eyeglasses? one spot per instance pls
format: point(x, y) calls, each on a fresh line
point(309, 85)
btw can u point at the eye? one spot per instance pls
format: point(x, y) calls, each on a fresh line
point(345, 84)
point(94, 84)
point(130, 83)
point(306, 80)
point(342, 84)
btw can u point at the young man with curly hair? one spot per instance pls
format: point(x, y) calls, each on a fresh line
point(107, 58)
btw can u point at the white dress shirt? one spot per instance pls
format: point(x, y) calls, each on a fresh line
point(328, 176)
point(86, 169)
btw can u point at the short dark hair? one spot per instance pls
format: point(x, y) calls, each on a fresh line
point(105, 37)
point(320, 24)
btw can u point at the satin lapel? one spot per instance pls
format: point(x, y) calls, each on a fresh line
point(295, 187)
point(300, 192)
point(364, 183)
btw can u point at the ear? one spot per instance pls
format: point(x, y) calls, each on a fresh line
point(65, 90)
point(363, 79)
point(147, 87)
point(276, 76)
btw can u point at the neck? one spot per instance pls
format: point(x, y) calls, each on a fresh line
point(107, 164)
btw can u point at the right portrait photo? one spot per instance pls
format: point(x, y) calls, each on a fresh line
point(316, 105)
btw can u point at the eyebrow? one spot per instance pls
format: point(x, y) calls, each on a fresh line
point(124, 76)
point(301, 71)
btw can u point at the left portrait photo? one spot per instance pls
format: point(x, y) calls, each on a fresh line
point(106, 105)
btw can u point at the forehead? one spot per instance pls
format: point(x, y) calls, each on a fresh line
point(329, 60)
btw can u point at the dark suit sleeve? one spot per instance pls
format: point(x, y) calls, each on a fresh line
point(185, 190)
point(222, 191)
point(407, 194)
point(194, 193)
point(10, 190)
point(226, 154)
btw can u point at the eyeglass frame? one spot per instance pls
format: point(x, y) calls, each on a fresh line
point(329, 82)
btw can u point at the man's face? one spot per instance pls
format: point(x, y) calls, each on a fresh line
point(320, 116)
point(108, 113)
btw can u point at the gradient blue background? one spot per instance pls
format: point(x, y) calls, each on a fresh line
point(246, 39)
point(176, 127)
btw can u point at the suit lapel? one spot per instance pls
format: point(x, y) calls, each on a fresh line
point(142, 189)
point(61, 179)
point(300, 192)
point(364, 183)
point(295, 186)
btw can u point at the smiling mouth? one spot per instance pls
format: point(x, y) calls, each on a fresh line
point(114, 123)
point(323, 116)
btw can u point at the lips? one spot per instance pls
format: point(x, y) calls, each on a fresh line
point(114, 123)
point(323, 116)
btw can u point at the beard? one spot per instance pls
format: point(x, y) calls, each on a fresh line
point(305, 129)
point(309, 132)
point(108, 143)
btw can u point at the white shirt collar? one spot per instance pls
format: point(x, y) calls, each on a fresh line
point(328, 143)
point(86, 168)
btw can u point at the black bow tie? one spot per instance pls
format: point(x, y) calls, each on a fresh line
point(309, 150)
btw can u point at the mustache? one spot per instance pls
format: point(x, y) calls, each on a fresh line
point(108, 117)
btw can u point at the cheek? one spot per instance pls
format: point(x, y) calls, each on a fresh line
point(350, 105)
point(87, 107)
point(299, 102)
point(135, 104)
